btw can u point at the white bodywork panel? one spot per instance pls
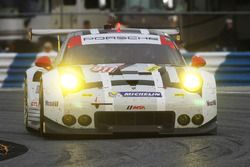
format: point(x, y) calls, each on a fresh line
point(172, 99)
point(33, 97)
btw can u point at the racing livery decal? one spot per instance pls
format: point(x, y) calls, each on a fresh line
point(211, 103)
point(34, 104)
point(136, 107)
point(51, 103)
point(105, 68)
point(153, 68)
point(135, 94)
point(121, 38)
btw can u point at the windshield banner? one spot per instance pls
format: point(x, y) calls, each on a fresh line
point(120, 39)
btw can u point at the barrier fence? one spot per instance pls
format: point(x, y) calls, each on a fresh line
point(229, 68)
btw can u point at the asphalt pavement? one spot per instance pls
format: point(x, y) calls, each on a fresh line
point(230, 147)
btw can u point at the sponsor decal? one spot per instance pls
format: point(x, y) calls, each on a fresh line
point(87, 94)
point(135, 94)
point(141, 94)
point(104, 68)
point(153, 68)
point(51, 103)
point(211, 103)
point(136, 107)
point(121, 38)
point(34, 104)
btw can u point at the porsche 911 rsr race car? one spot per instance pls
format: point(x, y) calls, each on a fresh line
point(107, 81)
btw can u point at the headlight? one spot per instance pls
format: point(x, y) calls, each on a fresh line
point(191, 81)
point(69, 81)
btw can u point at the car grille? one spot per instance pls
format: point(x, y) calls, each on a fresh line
point(106, 119)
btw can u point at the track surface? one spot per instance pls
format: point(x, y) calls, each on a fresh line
point(231, 147)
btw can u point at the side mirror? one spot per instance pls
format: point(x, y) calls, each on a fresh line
point(44, 62)
point(198, 61)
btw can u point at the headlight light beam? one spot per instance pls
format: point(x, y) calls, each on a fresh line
point(192, 82)
point(69, 81)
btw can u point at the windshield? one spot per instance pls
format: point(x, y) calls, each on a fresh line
point(122, 53)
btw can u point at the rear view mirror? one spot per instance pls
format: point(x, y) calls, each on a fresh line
point(44, 62)
point(198, 61)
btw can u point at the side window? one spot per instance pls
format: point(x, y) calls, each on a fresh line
point(91, 4)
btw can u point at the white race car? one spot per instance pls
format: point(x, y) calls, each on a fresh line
point(108, 81)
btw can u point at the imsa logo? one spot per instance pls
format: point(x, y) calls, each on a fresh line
point(136, 108)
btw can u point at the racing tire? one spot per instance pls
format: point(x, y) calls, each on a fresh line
point(26, 116)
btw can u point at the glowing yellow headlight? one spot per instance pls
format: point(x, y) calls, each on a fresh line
point(69, 81)
point(192, 82)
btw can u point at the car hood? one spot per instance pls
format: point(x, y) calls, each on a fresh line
point(132, 75)
point(131, 87)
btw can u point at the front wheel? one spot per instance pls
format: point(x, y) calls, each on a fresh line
point(26, 114)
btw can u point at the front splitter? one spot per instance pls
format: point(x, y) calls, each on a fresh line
point(52, 128)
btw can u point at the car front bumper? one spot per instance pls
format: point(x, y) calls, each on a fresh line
point(53, 128)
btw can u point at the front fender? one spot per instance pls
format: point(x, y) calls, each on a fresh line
point(53, 100)
point(32, 77)
point(209, 95)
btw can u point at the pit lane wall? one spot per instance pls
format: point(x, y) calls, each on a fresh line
point(229, 68)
